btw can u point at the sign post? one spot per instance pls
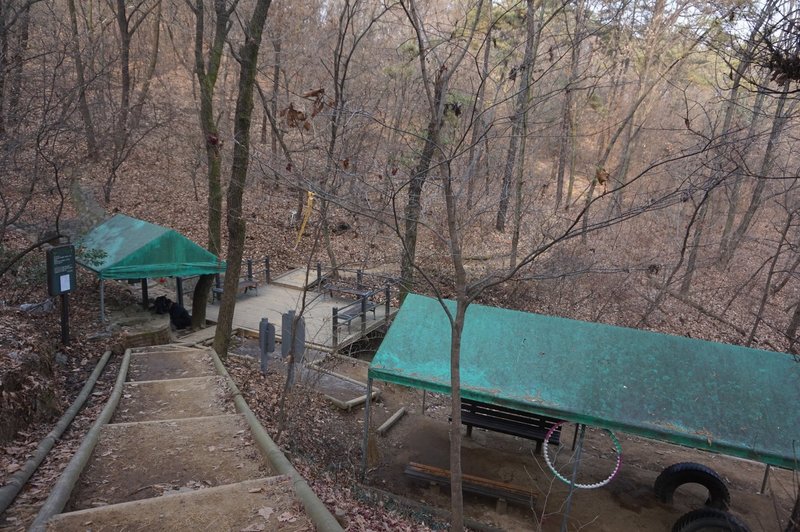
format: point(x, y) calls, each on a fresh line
point(61, 281)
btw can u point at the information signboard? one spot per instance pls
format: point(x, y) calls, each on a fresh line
point(61, 270)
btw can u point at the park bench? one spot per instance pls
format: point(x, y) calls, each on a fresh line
point(470, 483)
point(244, 286)
point(357, 292)
point(353, 310)
point(508, 421)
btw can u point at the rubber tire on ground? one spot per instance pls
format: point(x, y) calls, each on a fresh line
point(707, 519)
point(689, 472)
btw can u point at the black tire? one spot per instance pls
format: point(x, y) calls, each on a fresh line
point(689, 472)
point(709, 519)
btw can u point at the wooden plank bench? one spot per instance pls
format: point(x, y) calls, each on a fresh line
point(473, 484)
point(508, 421)
point(244, 286)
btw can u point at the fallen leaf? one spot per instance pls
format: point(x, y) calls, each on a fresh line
point(287, 517)
point(265, 512)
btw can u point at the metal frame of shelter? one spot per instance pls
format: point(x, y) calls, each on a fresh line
point(706, 395)
point(128, 248)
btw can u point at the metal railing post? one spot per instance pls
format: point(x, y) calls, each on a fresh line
point(266, 268)
point(359, 279)
point(387, 292)
point(335, 327)
point(249, 269)
point(364, 316)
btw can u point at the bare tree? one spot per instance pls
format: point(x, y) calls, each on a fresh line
point(247, 57)
point(207, 72)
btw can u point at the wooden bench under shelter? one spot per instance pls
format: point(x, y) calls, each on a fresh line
point(473, 484)
point(508, 421)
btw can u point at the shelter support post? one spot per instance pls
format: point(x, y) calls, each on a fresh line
point(179, 290)
point(765, 481)
point(365, 441)
point(575, 435)
point(574, 478)
point(102, 302)
point(145, 299)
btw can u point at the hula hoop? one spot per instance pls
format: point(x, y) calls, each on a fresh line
point(562, 478)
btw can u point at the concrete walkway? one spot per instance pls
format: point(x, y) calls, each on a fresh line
point(285, 294)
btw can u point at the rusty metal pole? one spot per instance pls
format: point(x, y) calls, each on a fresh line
point(365, 441)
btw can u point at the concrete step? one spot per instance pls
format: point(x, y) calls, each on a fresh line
point(134, 461)
point(158, 364)
point(262, 504)
point(173, 399)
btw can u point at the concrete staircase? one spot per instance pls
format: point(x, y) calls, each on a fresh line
point(177, 456)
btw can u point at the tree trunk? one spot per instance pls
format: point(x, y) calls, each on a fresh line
point(691, 262)
point(456, 330)
point(435, 93)
point(414, 206)
point(528, 62)
point(80, 71)
point(479, 130)
point(733, 199)
point(18, 61)
point(276, 74)
point(566, 150)
point(779, 121)
point(125, 78)
point(767, 285)
point(141, 98)
point(512, 263)
point(207, 78)
point(3, 67)
point(248, 59)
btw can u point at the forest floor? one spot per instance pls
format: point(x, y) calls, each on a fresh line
point(160, 184)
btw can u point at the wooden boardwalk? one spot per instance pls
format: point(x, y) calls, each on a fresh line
point(285, 293)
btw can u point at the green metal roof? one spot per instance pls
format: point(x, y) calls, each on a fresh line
point(725, 398)
point(126, 248)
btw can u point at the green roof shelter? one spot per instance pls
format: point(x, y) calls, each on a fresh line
point(706, 395)
point(128, 248)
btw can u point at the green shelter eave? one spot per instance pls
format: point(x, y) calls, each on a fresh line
point(127, 248)
point(701, 394)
